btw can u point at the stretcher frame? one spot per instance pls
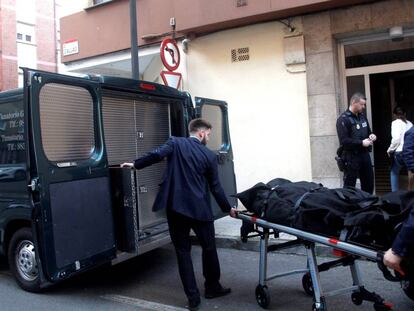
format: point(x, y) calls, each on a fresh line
point(311, 279)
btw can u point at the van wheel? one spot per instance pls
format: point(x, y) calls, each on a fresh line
point(22, 260)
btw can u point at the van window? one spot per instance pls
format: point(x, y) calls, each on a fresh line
point(12, 146)
point(66, 121)
point(214, 115)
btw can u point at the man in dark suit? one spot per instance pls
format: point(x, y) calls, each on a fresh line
point(191, 166)
point(403, 244)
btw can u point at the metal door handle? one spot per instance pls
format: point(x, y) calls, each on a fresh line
point(33, 184)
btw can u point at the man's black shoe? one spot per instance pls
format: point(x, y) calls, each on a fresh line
point(193, 304)
point(222, 291)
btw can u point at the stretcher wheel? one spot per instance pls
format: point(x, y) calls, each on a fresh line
point(321, 307)
point(307, 284)
point(262, 296)
point(356, 298)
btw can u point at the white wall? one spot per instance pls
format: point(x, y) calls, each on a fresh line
point(268, 108)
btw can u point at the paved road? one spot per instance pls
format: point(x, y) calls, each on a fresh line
point(151, 282)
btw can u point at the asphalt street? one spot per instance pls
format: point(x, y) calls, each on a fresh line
point(151, 282)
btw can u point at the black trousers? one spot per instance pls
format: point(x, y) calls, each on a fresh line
point(359, 165)
point(179, 226)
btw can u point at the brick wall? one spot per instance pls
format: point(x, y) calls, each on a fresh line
point(45, 41)
point(8, 46)
point(45, 33)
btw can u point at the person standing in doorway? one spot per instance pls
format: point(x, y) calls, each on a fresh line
point(191, 167)
point(356, 138)
point(399, 126)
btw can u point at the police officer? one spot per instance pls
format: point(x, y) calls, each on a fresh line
point(356, 138)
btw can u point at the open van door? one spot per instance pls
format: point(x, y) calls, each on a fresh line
point(70, 184)
point(215, 112)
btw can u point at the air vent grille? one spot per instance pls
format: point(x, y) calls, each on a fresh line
point(240, 54)
point(240, 3)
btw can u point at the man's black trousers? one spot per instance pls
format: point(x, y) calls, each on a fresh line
point(359, 165)
point(179, 226)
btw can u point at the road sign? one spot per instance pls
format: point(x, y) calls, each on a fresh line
point(70, 47)
point(170, 78)
point(170, 54)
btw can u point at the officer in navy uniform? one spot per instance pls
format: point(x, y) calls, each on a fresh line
point(356, 138)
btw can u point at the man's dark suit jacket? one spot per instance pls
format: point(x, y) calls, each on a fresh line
point(191, 165)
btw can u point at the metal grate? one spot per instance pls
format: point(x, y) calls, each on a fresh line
point(240, 54)
point(240, 3)
point(133, 127)
point(153, 129)
point(67, 123)
point(119, 129)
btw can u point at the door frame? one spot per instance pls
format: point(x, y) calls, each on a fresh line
point(366, 71)
point(55, 183)
point(224, 153)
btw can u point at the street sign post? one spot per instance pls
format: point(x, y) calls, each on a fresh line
point(170, 57)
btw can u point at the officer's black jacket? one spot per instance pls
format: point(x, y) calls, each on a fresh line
point(352, 130)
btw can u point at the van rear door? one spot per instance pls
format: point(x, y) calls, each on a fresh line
point(216, 113)
point(69, 174)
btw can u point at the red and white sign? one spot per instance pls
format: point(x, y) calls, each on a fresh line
point(170, 54)
point(172, 79)
point(70, 47)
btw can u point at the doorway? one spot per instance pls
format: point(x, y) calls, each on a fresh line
point(383, 70)
point(387, 91)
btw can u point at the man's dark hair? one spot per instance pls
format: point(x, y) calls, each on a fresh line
point(198, 124)
point(356, 98)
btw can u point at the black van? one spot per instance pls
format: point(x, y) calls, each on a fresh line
point(65, 204)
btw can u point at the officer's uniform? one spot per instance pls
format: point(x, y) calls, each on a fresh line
point(352, 130)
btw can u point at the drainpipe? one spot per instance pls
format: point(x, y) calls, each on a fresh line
point(134, 40)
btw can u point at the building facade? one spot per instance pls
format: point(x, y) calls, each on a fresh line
point(29, 37)
point(286, 69)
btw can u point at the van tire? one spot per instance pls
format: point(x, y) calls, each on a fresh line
point(22, 260)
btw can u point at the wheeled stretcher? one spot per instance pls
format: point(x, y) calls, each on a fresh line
point(311, 281)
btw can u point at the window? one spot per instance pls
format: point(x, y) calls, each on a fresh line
point(379, 52)
point(214, 115)
point(26, 48)
point(12, 142)
point(66, 121)
point(25, 33)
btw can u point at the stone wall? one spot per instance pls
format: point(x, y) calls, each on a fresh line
point(322, 94)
